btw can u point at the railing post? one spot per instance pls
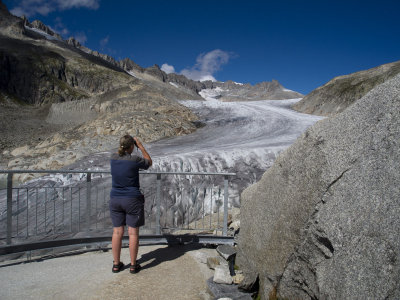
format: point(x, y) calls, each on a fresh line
point(158, 199)
point(225, 228)
point(88, 198)
point(9, 207)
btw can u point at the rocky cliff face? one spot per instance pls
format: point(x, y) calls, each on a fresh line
point(37, 67)
point(323, 222)
point(10, 24)
point(339, 93)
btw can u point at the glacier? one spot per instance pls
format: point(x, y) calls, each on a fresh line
point(237, 137)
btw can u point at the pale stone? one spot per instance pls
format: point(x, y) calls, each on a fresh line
point(222, 275)
point(19, 151)
point(238, 278)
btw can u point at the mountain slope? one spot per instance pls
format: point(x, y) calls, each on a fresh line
point(341, 92)
point(54, 95)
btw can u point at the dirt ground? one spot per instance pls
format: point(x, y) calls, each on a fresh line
point(173, 272)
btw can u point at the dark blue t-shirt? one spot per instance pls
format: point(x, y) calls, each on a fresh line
point(125, 175)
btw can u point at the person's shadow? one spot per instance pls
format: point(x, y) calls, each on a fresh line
point(172, 252)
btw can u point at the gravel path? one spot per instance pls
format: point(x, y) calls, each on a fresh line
point(168, 273)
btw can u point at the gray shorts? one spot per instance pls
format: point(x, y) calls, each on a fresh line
point(127, 211)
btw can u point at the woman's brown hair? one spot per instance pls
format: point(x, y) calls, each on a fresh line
point(125, 143)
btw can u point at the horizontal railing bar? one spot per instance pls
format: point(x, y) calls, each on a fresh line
point(169, 239)
point(87, 214)
point(107, 171)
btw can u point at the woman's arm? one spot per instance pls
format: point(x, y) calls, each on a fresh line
point(143, 150)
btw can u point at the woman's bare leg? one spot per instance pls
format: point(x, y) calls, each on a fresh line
point(133, 243)
point(116, 243)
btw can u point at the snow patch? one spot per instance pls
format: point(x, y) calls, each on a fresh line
point(132, 73)
point(211, 94)
point(46, 35)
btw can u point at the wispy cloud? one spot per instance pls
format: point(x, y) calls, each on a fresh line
point(104, 42)
point(207, 64)
point(68, 4)
point(30, 8)
point(168, 68)
point(81, 37)
point(60, 27)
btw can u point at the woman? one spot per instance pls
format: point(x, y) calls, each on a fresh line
point(126, 199)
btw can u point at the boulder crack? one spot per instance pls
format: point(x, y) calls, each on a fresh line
point(336, 180)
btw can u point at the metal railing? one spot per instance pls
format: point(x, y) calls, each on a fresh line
point(41, 210)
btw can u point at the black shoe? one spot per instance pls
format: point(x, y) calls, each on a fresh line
point(135, 268)
point(117, 268)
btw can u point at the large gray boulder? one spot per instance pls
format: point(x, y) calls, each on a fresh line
point(324, 220)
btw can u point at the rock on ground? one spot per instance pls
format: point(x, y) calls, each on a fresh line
point(323, 222)
point(222, 275)
point(226, 291)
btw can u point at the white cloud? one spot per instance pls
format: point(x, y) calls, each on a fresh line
point(197, 75)
point(207, 64)
point(30, 8)
point(104, 42)
point(17, 11)
point(60, 27)
point(168, 68)
point(68, 4)
point(81, 37)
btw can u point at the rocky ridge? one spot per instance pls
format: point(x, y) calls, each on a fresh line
point(59, 103)
point(341, 92)
point(229, 90)
point(226, 91)
point(38, 67)
point(322, 223)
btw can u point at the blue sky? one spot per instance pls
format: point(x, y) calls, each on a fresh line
point(302, 44)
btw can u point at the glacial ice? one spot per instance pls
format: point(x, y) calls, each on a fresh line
point(238, 137)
